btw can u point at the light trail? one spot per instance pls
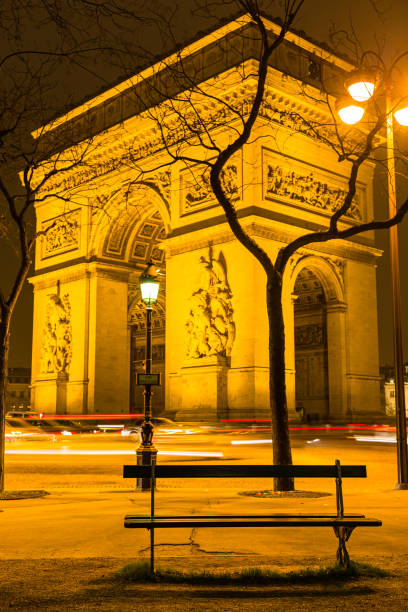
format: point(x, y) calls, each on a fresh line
point(242, 442)
point(375, 439)
point(68, 451)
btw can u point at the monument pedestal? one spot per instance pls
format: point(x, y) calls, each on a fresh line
point(204, 389)
point(50, 393)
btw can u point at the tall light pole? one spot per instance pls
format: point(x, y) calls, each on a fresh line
point(147, 453)
point(361, 86)
point(400, 409)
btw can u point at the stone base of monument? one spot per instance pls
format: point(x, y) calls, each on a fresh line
point(50, 393)
point(204, 389)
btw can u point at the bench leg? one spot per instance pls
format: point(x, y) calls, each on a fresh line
point(343, 534)
point(151, 550)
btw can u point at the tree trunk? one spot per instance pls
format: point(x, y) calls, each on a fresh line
point(4, 351)
point(282, 454)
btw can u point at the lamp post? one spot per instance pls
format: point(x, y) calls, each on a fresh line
point(361, 86)
point(146, 453)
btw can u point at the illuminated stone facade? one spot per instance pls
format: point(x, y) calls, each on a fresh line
point(210, 325)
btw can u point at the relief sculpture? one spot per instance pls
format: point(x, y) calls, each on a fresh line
point(61, 234)
point(308, 189)
point(56, 350)
point(210, 325)
point(196, 187)
point(309, 335)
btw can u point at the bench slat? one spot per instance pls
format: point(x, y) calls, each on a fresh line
point(242, 516)
point(215, 521)
point(244, 471)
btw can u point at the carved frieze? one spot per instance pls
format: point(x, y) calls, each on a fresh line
point(128, 149)
point(60, 234)
point(196, 192)
point(309, 335)
point(301, 184)
point(56, 349)
point(210, 325)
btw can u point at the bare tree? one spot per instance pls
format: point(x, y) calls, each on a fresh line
point(41, 42)
point(178, 103)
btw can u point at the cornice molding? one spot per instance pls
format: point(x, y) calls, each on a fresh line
point(138, 139)
point(276, 232)
point(86, 270)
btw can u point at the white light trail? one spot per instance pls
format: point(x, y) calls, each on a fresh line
point(236, 442)
point(375, 439)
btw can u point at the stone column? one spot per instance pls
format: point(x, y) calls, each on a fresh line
point(362, 337)
point(337, 360)
point(108, 368)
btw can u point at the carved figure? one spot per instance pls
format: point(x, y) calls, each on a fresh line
point(210, 326)
point(198, 189)
point(306, 188)
point(309, 335)
point(56, 350)
point(61, 234)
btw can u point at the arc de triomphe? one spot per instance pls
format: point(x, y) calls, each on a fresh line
point(126, 207)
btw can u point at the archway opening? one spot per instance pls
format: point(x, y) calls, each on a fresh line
point(311, 355)
point(138, 356)
point(144, 247)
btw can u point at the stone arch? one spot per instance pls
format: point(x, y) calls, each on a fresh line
point(123, 238)
point(117, 220)
point(137, 335)
point(137, 310)
point(329, 274)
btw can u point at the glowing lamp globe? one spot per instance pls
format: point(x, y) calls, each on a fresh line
point(401, 116)
point(360, 85)
point(361, 91)
point(149, 285)
point(349, 112)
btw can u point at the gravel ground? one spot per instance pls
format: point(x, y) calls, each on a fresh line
point(89, 584)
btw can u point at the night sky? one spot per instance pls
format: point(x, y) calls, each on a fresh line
point(384, 30)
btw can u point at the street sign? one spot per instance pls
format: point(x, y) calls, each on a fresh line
point(148, 379)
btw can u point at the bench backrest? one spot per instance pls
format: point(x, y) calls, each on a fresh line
point(336, 471)
point(245, 471)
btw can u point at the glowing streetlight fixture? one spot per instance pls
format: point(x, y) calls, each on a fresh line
point(360, 85)
point(149, 285)
point(401, 115)
point(348, 111)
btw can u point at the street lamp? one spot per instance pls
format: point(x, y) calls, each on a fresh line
point(147, 453)
point(362, 85)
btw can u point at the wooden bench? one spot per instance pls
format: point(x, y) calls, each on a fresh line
point(342, 524)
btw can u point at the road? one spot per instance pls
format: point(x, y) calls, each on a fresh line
point(86, 461)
